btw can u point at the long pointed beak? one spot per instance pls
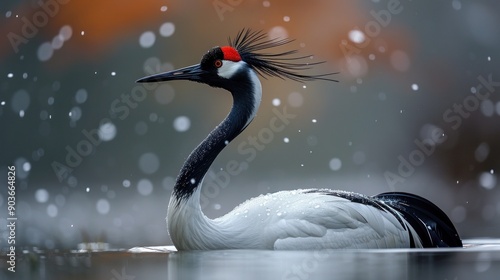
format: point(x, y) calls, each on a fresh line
point(191, 73)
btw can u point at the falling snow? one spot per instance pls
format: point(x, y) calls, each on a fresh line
point(144, 187)
point(126, 183)
point(164, 94)
point(357, 36)
point(107, 131)
point(167, 29)
point(20, 101)
point(278, 32)
point(487, 180)
point(149, 163)
point(46, 50)
point(41, 195)
point(335, 164)
point(52, 210)
point(103, 206)
point(456, 4)
point(182, 123)
point(147, 39)
point(81, 96)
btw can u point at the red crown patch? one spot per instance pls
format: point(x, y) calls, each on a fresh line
point(231, 53)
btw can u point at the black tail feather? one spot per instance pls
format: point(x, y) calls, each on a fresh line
point(431, 224)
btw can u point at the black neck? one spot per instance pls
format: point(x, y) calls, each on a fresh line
point(199, 161)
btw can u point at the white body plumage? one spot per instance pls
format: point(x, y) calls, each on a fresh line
point(296, 220)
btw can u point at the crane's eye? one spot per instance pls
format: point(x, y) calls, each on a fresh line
point(218, 63)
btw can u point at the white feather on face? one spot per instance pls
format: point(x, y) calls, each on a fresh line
point(229, 68)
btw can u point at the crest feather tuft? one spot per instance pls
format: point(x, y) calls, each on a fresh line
point(248, 43)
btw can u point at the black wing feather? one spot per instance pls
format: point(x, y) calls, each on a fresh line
point(431, 224)
point(433, 227)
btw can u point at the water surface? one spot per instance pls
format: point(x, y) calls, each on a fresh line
point(479, 259)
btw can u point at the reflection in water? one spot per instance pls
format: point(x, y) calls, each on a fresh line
point(287, 265)
point(479, 258)
point(343, 264)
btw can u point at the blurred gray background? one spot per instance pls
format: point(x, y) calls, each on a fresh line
point(416, 109)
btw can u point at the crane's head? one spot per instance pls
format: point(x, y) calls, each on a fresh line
point(228, 66)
